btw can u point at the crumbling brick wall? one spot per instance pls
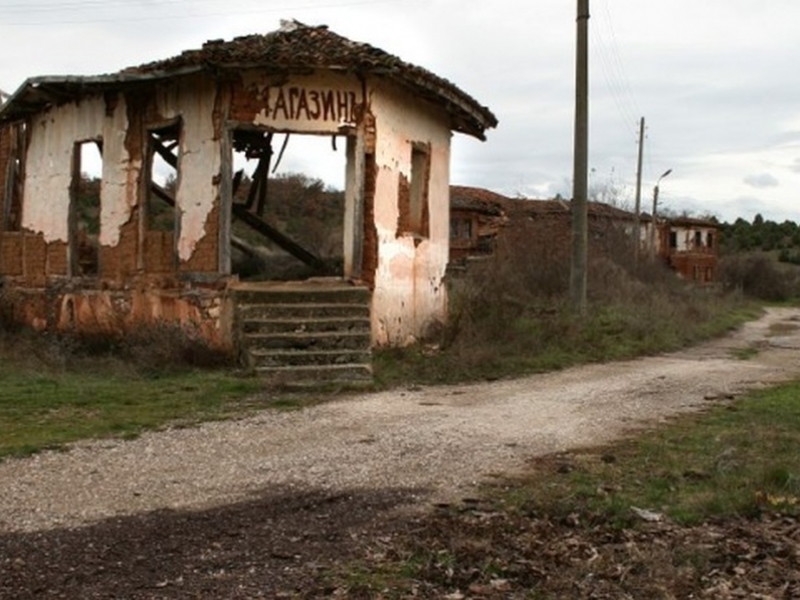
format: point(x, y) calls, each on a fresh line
point(5, 155)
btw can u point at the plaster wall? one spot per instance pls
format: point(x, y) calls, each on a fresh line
point(194, 101)
point(685, 238)
point(48, 171)
point(322, 103)
point(409, 295)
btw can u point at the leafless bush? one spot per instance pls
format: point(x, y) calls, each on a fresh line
point(149, 349)
point(759, 277)
point(516, 301)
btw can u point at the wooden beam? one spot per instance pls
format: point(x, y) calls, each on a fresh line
point(164, 153)
point(287, 244)
point(162, 193)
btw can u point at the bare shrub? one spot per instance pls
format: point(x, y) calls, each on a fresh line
point(149, 349)
point(759, 277)
point(512, 306)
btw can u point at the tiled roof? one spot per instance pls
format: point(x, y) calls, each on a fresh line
point(477, 199)
point(472, 198)
point(294, 48)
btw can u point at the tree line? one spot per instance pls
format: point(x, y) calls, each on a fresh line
point(764, 235)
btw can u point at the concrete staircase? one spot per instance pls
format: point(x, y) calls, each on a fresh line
point(305, 333)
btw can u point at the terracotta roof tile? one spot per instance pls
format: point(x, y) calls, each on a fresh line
point(296, 47)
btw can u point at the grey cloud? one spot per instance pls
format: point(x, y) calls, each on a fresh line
point(763, 180)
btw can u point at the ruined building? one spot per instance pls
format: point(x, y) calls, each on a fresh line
point(155, 247)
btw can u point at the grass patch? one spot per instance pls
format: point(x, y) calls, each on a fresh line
point(745, 353)
point(556, 339)
point(51, 409)
point(735, 461)
point(726, 484)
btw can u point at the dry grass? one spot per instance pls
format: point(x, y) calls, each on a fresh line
point(509, 314)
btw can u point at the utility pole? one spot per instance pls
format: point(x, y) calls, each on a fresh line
point(580, 174)
point(637, 219)
point(655, 212)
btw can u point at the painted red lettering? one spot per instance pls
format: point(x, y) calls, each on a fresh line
point(280, 105)
point(316, 111)
point(328, 109)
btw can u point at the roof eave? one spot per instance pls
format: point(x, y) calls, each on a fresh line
point(39, 93)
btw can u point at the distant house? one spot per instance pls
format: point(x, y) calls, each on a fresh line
point(689, 246)
point(147, 251)
point(476, 217)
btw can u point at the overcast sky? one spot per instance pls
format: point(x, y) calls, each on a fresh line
point(716, 80)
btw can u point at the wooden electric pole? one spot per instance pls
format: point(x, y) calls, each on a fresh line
point(580, 174)
point(637, 219)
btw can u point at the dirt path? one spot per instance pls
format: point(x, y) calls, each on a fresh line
point(438, 441)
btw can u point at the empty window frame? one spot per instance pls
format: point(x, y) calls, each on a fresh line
point(413, 194)
point(461, 230)
point(163, 163)
point(84, 212)
point(12, 138)
point(698, 239)
point(673, 239)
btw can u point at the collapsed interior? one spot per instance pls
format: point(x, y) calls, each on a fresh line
point(287, 221)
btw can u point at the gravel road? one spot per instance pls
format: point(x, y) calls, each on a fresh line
point(440, 440)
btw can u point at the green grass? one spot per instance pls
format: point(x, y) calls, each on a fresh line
point(50, 408)
point(736, 460)
point(534, 343)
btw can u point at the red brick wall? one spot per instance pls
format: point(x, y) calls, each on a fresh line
point(5, 153)
point(119, 262)
point(159, 252)
point(205, 258)
point(11, 253)
point(57, 261)
point(34, 259)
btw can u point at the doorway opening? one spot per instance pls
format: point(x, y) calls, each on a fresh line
point(84, 212)
point(162, 175)
point(288, 205)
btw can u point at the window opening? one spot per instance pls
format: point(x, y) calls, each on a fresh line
point(163, 151)
point(12, 193)
point(85, 202)
point(288, 205)
point(461, 229)
point(413, 194)
point(698, 239)
point(710, 239)
point(673, 239)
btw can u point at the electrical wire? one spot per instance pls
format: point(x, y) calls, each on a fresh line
point(72, 7)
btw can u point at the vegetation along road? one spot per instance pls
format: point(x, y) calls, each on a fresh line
point(288, 483)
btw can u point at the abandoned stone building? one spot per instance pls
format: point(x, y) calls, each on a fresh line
point(689, 246)
point(155, 247)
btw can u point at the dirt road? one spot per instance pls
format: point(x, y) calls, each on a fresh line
point(440, 441)
point(270, 506)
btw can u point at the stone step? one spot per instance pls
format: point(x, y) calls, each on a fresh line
point(306, 325)
point(344, 294)
point(315, 310)
point(313, 341)
point(305, 332)
point(309, 375)
point(288, 358)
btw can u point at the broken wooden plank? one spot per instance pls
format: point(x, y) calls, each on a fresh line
point(287, 244)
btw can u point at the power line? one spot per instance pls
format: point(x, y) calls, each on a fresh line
point(613, 71)
point(94, 6)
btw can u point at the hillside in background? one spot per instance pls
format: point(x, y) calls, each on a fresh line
point(768, 236)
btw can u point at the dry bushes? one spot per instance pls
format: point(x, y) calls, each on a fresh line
point(149, 349)
point(758, 276)
point(509, 312)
